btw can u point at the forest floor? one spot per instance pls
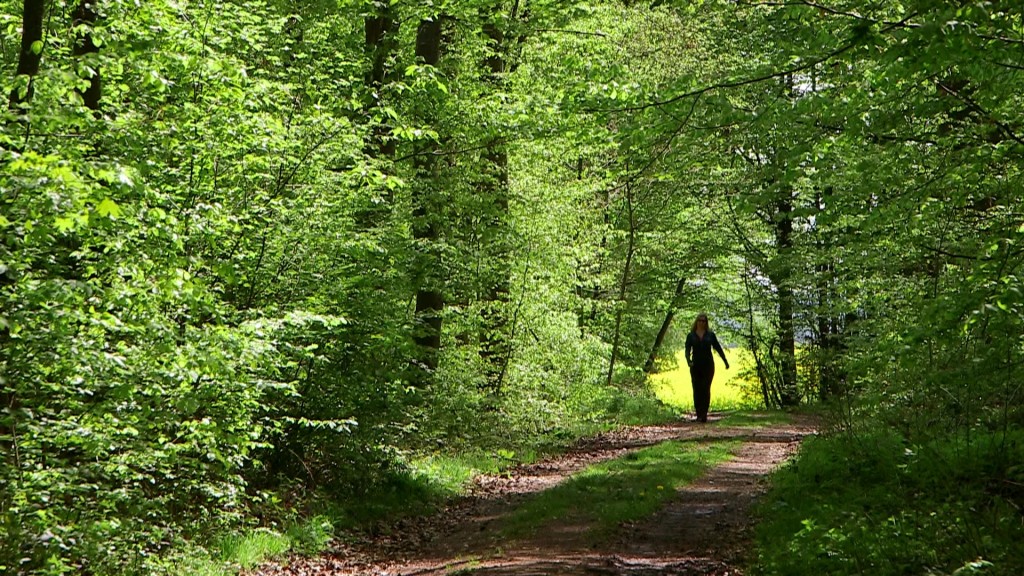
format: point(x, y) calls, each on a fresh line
point(703, 529)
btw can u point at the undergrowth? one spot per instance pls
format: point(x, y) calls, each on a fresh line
point(872, 503)
point(299, 520)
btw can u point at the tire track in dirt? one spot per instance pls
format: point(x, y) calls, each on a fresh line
point(703, 530)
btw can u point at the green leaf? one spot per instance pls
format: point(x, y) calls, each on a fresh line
point(109, 208)
point(37, 47)
point(64, 224)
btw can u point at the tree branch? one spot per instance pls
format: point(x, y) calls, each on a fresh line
point(901, 24)
point(735, 83)
point(576, 32)
point(1004, 64)
point(494, 142)
point(827, 9)
point(978, 108)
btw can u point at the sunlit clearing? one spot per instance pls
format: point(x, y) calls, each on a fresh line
point(731, 388)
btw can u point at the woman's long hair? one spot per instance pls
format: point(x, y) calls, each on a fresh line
point(701, 316)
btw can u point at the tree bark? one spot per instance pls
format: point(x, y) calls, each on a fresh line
point(626, 271)
point(381, 34)
point(28, 60)
point(83, 22)
point(495, 344)
point(28, 65)
point(380, 43)
point(828, 323)
point(429, 299)
point(789, 395)
point(596, 288)
point(660, 338)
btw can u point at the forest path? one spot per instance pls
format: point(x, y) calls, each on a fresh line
point(703, 529)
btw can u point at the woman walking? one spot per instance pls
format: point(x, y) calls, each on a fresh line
point(699, 343)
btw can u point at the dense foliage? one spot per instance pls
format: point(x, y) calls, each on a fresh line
point(254, 248)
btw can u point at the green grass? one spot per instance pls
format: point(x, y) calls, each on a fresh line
point(450, 473)
point(248, 550)
point(621, 490)
point(245, 550)
point(747, 419)
point(729, 389)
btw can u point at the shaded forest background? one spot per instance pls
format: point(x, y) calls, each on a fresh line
point(254, 252)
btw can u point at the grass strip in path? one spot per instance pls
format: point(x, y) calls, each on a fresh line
point(603, 496)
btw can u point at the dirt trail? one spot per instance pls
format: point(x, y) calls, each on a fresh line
point(703, 530)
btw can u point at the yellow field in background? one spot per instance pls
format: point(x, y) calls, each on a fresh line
point(728, 390)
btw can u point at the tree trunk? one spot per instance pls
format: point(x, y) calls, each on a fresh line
point(789, 394)
point(83, 22)
point(28, 65)
point(768, 393)
point(380, 43)
point(495, 344)
point(31, 49)
point(596, 288)
point(653, 356)
point(429, 299)
point(381, 33)
point(626, 271)
point(829, 320)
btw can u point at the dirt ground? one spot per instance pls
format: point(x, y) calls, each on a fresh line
point(703, 530)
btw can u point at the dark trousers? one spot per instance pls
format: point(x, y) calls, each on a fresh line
point(701, 377)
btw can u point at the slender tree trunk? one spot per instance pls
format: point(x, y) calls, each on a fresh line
point(768, 393)
point(495, 340)
point(581, 276)
point(669, 315)
point(595, 291)
point(83, 22)
point(380, 43)
point(789, 393)
point(28, 65)
point(381, 40)
point(429, 299)
point(623, 284)
point(31, 50)
point(829, 321)
point(783, 283)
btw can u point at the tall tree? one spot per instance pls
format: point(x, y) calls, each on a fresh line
point(380, 29)
point(28, 66)
point(626, 278)
point(496, 344)
point(83, 21)
point(426, 226)
point(781, 275)
point(31, 52)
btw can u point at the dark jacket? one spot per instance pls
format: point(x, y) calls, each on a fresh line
point(698, 350)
